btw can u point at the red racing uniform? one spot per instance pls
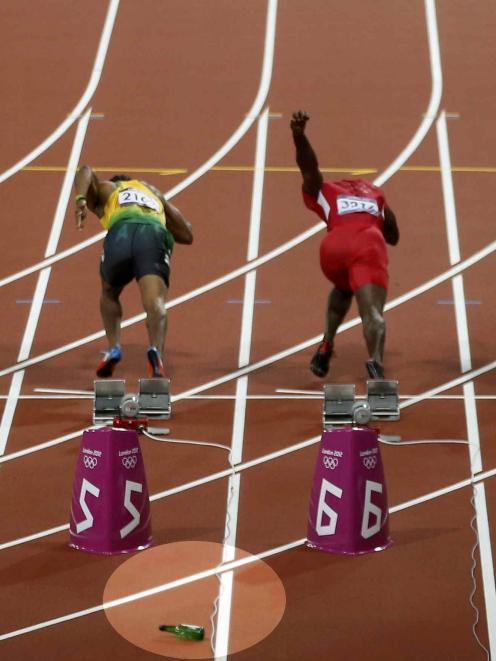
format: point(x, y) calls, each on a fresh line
point(353, 252)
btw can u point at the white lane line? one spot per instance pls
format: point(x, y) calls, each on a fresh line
point(42, 284)
point(232, 141)
point(475, 455)
point(221, 641)
point(436, 92)
point(83, 101)
point(435, 96)
point(253, 113)
point(421, 289)
point(227, 567)
point(240, 467)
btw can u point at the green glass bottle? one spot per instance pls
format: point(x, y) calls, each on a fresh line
point(185, 631)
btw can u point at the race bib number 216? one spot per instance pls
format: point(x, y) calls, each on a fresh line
point(135, 196)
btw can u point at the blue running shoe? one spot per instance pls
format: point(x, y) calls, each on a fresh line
point(109, 361)
point(155, 365)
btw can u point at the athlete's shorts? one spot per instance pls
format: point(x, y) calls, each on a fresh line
point(132, 250)
point(351, 258)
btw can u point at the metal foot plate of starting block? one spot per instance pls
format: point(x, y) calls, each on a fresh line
point(338, 404)
point(382, 395)
point(108, 397)
point(154, 398)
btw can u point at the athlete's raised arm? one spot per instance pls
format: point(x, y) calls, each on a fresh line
point(305, 155)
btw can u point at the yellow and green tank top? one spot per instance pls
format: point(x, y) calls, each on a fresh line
point(133, 202)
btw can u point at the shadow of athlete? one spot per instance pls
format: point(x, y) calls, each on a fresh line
point(353, 253)
point(142, 228)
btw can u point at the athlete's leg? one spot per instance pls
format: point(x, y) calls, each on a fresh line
point(153, 292)
point(371, 299)
point(111, 311)
point(338, 304)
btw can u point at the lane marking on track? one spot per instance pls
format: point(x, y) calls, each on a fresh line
point(462, 331)
point(42, 283)
point(240, 467)
point(229, 566)
point(83, 101)
point(435, 97)
point(232, 141)
point(281, 169)
point(221, 639)
point(430, 284)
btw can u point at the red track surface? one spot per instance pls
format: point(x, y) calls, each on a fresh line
point(178, 79)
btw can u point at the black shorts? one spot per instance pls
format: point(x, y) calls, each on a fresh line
point(132, 250)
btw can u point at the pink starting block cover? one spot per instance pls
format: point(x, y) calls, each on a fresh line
point(348, 510)
point(110, 510)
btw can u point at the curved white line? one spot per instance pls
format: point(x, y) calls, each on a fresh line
point(458, 268)
point(435, 100)
point(83, 101)
point(287, 352)
point(230, 565)
point(252, 115)
point(428, 394)
point(436, 91)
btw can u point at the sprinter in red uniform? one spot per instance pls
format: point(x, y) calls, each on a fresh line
point(353, 253)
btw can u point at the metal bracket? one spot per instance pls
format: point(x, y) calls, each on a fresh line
point(338, 404)
point(108, 396)
point(154, 398)
point(382, 395)
point(341, 407)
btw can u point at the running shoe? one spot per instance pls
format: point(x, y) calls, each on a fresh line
point(109, 361)
point(155, 365)
point(375, 369)
point(319, 364)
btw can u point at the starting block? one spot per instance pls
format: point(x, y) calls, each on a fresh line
point(382, 395)
point(154, 398)
point(348, 512)
point(342, 408)
point(108, 397)
point(110, 511)
point(153, 401)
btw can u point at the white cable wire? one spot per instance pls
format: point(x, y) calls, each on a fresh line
point(227, 530)
point(426, 442)
point(472, 525)
point(472, 574)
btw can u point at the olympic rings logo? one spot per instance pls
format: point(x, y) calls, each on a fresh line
point(330, 462)
point(369, 462)
point(129, 462)
point(90, 462)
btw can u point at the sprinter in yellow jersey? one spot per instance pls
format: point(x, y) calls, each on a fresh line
point(142, 229)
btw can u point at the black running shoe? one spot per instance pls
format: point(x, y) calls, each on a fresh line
point(155, 365)
point(319, 364)
point(375, 369)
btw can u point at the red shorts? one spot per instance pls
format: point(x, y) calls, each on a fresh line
point(353, 257)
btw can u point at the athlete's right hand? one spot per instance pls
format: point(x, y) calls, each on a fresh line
point(298, 121)
point(80, 213)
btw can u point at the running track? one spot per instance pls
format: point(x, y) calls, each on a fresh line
point(401, 91)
